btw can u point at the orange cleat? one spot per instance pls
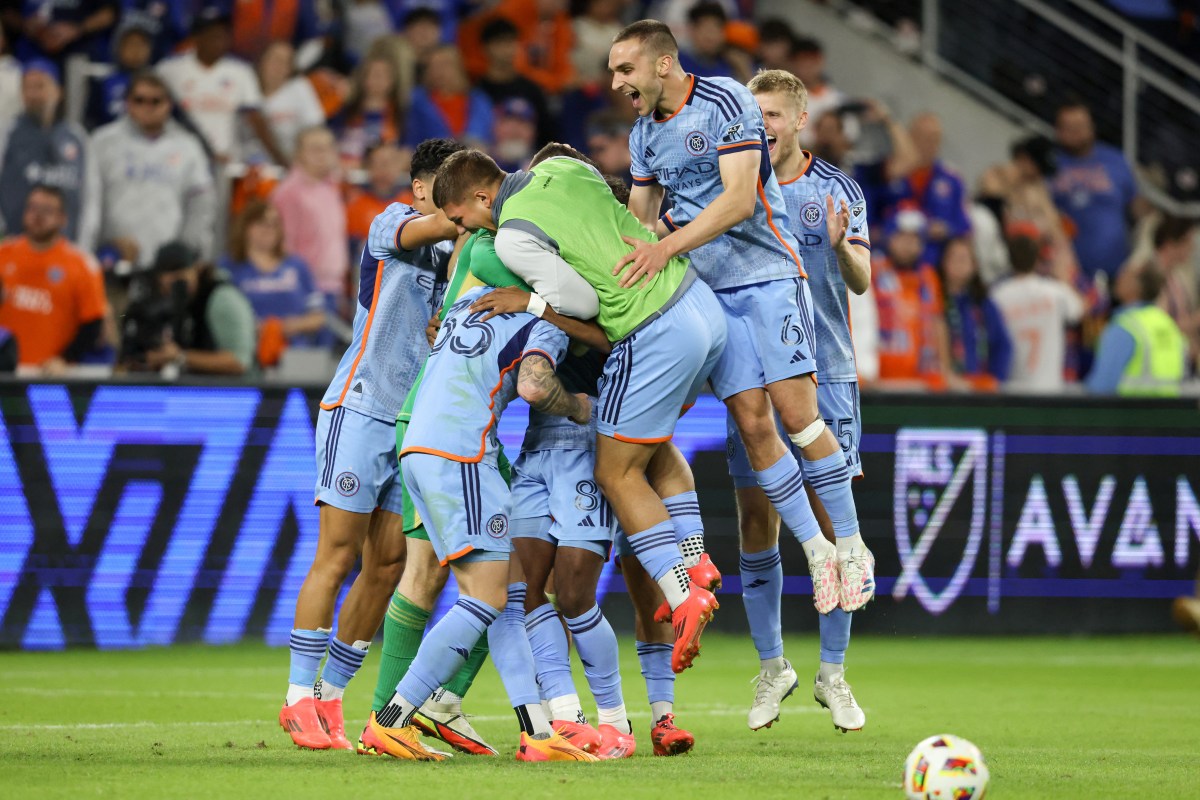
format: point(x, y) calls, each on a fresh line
point(404, 743)
point(329, 712)
point(556, 748)
point(689, 620)
point(579, 734)
point(301, 721)
point(704, 574)
point(454, 729)
point(615, 744)
point(669, 740)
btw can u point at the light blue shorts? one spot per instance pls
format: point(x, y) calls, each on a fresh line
point(356, 462)
point(464, 507)
point(770, 336)
point(555, 498)
point(838, 403)
point(655, 374)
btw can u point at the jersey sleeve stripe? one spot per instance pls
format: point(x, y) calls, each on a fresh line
point(640, 181)
point(537, 351)
point(858, 240)
point(399, 247)
point(727, 98)
point(853, 193)
point(726, 104)
point(737, 147)
point(671, 226)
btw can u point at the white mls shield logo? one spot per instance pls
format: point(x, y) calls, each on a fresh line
point(935, 467)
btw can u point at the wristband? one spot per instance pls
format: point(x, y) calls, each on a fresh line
point(536, 305)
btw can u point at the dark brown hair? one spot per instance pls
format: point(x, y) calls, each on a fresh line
point(462, 173)
point(655, 36)
point(254, 212)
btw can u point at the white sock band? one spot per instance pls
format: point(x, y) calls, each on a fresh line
point(809, 435)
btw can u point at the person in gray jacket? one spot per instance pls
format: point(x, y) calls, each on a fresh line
point(41, 148)
point(155, 185)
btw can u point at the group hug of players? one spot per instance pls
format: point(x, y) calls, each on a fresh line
point(569, 290)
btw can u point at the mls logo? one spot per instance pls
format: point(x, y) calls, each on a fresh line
point(936, 468)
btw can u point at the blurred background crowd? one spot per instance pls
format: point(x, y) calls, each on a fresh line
point(186, 186)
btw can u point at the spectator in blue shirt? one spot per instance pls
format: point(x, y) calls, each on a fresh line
point(55, 29)
point(934, 188)
point(708, 53)
point(133, 50)
point(1095, 187)
point(445, 106)
point(278, 286)
point(166, 21)
point(980, 346)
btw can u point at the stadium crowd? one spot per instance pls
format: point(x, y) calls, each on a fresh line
point(207, 212)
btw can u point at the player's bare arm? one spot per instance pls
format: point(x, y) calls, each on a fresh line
point(511, 300)
point(540, 387)
point(427, 230)
point(739, 176)
point(644, 203)
point(854, 260)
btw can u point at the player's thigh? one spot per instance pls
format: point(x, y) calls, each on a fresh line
point(340, 538)
point(356, 461)
point(758, 524)
point(424, 577)
point(465, 507)
point(484, 580)
point(757, 427)
point(669, 472)
point(652, 375)
point(385, 548)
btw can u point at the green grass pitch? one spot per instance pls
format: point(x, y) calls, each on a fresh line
point(1063, 718)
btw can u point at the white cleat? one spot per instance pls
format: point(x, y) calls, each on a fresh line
point(823, 566)
point(836, 696)
point(447, 722)
point(769, 692)
point(857, 579)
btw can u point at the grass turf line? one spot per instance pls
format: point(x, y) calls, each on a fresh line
point(1086, 718)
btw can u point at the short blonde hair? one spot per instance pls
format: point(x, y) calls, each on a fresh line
point(772, 81)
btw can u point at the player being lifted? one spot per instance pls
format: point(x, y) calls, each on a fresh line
point(665, 339)
point(702, 140)
point(403, 273)
point(449, 465)
point(828, 215)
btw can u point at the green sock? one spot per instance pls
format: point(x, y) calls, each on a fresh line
point(460, 684)
point(403, 628)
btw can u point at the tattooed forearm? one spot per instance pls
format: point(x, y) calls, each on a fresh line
point(542, 389)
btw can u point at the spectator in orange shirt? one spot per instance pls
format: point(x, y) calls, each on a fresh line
point(385, 185)
point(54, 301)
point(913, 341)
point(547, 38)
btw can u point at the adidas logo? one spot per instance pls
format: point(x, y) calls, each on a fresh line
point(757, 582)
point(586, 522)
point(649, 153)
point(798, 356)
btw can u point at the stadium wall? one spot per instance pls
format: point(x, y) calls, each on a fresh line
point(136, 515)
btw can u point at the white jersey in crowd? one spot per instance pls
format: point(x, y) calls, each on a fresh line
point(153, 190)
point(10, 90)
point(1036, 311)
point(213, 96)
point(292, 108)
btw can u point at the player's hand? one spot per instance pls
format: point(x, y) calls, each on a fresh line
point(836, 223)
point(584, 415)
point(431, 330)
point(506, 300)
point(644, 262)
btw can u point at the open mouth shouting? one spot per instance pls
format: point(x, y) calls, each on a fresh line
point(771, 142)
point(635, 98)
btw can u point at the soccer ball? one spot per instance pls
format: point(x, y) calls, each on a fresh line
point(945, 767)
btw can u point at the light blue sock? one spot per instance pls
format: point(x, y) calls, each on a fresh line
point(835, 635)
point(762, 593)
point(444, 649)
point(308, 648)
point(548, 642)
point(655, 658)
point(344, 661)
point(597, 646)
point(510, 650)
point(684, 509)
point(830, 479)
point(784, 486)
point(656, 549)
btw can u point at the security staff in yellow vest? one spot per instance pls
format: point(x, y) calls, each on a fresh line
point(1142, 352)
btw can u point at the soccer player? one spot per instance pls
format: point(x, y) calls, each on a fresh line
point(828, 215)
point(402, 276)
point(449, 463)
point(702, 139)
point(556, 224)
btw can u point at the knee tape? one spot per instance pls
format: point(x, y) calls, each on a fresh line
point(809, 435)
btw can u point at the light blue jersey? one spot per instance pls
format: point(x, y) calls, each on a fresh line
point(805, 199)
point(681, 153)
point(470, 378)
point(398, 291)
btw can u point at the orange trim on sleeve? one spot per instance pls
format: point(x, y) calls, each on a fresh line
point(631, 440)
point(459, 554)
point(691, 88)
point(771, 224)
point(363, 347)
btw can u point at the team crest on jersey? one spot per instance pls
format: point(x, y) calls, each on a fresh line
point(697, 143)
point(347, 484)
point(811, 214)
point(54, 274)
point(497, 526)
